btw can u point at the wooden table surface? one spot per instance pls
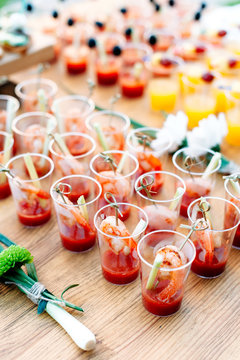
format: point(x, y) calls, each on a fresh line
point(206, 327)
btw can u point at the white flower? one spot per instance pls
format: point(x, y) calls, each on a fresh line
point(17, 21)
point(208, 134)
point(176, 127)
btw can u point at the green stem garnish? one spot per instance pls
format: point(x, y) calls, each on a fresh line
point(122, 162)
point(153, 273)
point(60, 143)
point(101, 136)
point(32, 171)
point(138, 229)
point(42, 101)
point(50, 127)
point(137, 70)
point(6, 155)
point(177, 198)
point(10, 115)
point(212, 165)
point(102, 53)
point(83, 208)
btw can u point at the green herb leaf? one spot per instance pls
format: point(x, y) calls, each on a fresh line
point(41, 306)
point(31, 270)
point(4, 240)
point(68, 303)
point(68, 288)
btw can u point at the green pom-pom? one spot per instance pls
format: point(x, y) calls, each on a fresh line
point(14, 256)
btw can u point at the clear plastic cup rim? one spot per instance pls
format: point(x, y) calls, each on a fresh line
point(61, 180)
point(190, 172)
point(215, 198)
point(50, 83)
point(114, 152)
point(112, 34)
point(159, 172)
point(158, 31)
point(108, 113)
point(171, 232)
point(83, 99)
point(145, 128)
point(34, 114)
point(121, 237)
point(89, 152)
point(32, 155)
point(5, 134)
point(226, 183)
point(154, 69)
point(12, 99)
point(139, 46)
point(188, 82)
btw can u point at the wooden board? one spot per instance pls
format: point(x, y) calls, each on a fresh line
point(41, 50)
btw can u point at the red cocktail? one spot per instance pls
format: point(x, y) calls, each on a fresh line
point(35, 212)
point(132, 86)
point(74, 158)
point(135, 52)
point(75, 212)
point(71, 112)
point(5, 190)
point(6, 146)
point(198, 167)
point(163, 289)
point(76, 59)
point(232, 189)
point(8, 108)
point(28, 91)
point(119, 268)
point(155, 305)
point(31, 196)
point(119, 182)
point(209, 268)
point(141, 143)
point(213, 244)
point(107, 72)
point(159, 40)
point(117, 244)
point(112, 125)
point(31, 130)
point(162, 208)
point(194, 190)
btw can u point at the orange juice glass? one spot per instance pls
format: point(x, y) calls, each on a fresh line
point(164, 85)
point(233, 118)
point(199, 100)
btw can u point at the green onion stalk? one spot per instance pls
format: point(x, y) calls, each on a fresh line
point(12, 258)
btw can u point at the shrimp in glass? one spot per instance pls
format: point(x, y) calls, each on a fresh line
point(34, 139)
point(172, 258)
